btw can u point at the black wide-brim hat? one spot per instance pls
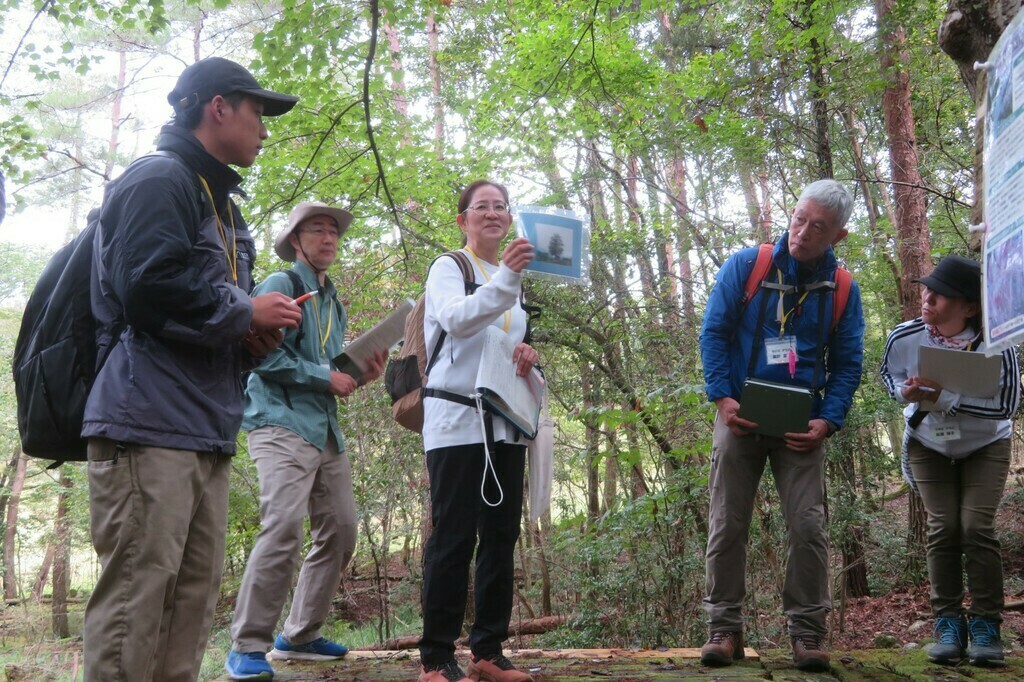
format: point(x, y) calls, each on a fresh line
point(207, 78)
point(955, 277)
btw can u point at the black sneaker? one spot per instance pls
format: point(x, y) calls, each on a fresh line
point(950, 640)
point(986, 649)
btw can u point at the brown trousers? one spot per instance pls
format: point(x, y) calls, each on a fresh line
point(296, 478)
point(158, 519)
point(736, 468)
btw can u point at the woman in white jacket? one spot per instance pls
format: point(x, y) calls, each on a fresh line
point(455, 451)
point(957, 456)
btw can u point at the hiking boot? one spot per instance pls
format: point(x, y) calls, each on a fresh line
point(810, 654)
point(950, 640)
point(320, 649)
point(722, 648)
point(442, 672)
point(252, 665)
point(495, 668)
point(986, 647)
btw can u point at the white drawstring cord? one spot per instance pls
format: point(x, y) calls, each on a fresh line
point(488, 464)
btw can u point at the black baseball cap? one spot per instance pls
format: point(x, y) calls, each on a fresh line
point(207, 78)
point(955, 277)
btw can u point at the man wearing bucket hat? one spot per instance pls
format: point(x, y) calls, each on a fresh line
point(957, 456)
point(172, 276)
point(297, 445)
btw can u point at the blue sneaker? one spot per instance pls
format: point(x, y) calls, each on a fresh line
point(950, 640)
point(986, 649)
point(251, 665)
point(317, 650)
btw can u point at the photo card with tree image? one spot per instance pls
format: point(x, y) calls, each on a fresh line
point(561, 242)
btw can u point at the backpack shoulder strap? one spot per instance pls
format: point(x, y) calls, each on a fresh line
point(296, 283)
point(844, 281)
point(469, 279)
point(297, 290)
point(466, 268)
point(761, 267)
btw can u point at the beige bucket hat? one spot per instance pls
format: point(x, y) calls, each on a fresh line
point(302, 211)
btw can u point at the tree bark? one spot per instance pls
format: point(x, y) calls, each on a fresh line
point(968, 32)
point(912, 237)
point(11, 527)
point(913, 241)
point(61, 563)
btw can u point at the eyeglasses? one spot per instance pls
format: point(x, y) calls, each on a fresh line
point(320, 233)
point(500, 209)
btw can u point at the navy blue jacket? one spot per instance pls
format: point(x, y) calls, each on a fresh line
point(727, 335)
point(160, 267)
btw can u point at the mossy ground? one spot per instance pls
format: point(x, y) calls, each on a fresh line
point(876, 665)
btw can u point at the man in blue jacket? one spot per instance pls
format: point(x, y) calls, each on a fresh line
point(172, 272)
point(788, 329)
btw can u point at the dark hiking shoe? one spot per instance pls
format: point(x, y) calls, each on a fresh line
point(495, 668)
point(986, 649)
point(950, 640)
point(722, 648)
point(810, 654)
point(442, 672)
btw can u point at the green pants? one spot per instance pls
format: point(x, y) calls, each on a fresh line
point(961, 497)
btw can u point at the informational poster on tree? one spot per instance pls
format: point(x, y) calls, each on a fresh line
point(1003, 264)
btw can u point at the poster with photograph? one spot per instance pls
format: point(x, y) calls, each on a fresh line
point(561, 243)
point(1003, 262)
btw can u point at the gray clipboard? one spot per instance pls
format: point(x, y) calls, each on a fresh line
point(969, 373)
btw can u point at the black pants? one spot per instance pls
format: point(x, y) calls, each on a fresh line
point(459, 516)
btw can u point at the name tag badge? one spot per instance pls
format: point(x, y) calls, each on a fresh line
point(944, 432)
point(777, 349)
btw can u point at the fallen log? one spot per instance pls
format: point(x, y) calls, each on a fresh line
point(533, 626)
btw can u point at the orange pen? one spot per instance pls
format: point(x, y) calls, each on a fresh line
point(305, 297)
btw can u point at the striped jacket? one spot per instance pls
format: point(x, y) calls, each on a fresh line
point(981, 420)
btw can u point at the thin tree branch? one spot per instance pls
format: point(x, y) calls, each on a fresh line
point(44, 7)
point(374, 25)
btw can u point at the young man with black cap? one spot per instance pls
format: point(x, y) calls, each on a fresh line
point(291, 414)
point(957, 456)
point(172, 272)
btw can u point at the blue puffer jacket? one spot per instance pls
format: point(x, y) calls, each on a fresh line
point(160, 265)
point(728, 333)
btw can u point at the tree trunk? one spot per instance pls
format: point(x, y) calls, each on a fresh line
point(115, 115)
point(818, 92)
point(44, 571)
point(61, 564)
point(911, 215)
point(967, 34)
point(11, 527)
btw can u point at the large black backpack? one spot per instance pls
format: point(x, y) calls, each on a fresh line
point(55, 355)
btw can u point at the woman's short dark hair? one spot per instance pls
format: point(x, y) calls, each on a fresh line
point(467, 194)
point(190, 118)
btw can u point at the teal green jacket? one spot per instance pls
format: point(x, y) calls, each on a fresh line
point(290, 388)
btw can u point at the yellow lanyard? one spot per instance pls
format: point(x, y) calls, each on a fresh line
point(487, 278)
point(232, 254)
point(324, 336)
point(783, 316)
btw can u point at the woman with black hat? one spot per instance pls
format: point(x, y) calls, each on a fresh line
point(957, 456)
